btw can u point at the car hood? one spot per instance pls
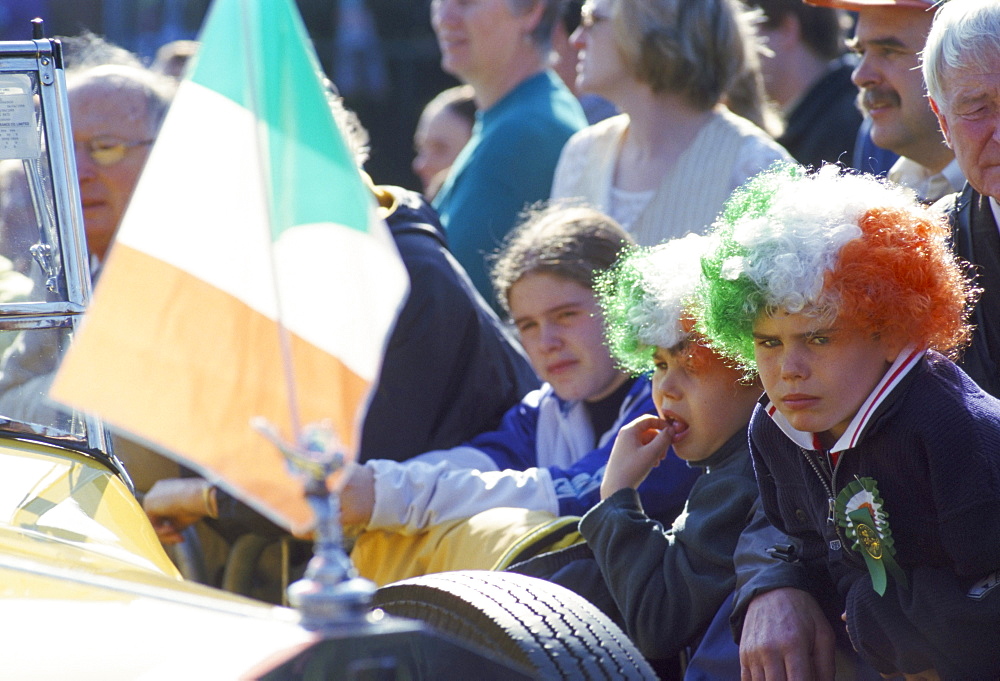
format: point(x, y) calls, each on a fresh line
point(60, 622)
point(88, 592)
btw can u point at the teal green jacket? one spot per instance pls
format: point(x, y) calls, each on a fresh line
point(506, 166)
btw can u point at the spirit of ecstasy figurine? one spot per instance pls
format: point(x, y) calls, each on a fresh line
point(330, 594)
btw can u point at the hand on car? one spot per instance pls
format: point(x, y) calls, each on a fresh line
point(174, 504)
point(639, 447)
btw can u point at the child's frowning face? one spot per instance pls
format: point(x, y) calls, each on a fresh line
point(818, 374)
point(704, 401)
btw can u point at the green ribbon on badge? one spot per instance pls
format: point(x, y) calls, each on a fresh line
point(860, 512)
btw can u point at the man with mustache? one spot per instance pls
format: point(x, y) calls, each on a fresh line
point(888, 38)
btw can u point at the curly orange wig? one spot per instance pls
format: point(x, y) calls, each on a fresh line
point(900, 279)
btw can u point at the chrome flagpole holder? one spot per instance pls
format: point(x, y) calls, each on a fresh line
point(330, 595)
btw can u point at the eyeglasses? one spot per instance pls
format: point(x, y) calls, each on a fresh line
point(107, 151)
point(590, 18)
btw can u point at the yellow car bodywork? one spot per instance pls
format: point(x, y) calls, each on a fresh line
point(64, 508)
point(88, 592)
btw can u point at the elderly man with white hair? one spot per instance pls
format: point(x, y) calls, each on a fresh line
point(961, 64)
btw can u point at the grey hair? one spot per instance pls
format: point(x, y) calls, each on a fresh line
point(964, 34)
point(87, 49)
point(156, 89)
point(350, 127)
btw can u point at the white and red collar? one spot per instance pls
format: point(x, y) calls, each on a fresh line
point(904, 362)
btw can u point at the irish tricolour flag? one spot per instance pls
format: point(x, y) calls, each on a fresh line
point(250, 277)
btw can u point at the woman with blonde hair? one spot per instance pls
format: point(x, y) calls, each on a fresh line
point(665, 166)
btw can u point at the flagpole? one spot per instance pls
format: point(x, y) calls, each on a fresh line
point(330, 594)
point(284, 337)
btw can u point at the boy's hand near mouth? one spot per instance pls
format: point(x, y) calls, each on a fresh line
point(638, 449)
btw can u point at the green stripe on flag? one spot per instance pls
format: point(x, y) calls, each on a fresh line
point(257, 53)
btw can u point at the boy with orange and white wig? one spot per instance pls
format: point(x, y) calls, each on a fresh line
point(870, 446)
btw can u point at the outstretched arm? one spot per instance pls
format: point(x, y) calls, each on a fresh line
point(357, 498)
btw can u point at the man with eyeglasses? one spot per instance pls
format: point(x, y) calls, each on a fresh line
point(116, 112)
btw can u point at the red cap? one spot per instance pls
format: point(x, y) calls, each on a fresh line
point(856, 5)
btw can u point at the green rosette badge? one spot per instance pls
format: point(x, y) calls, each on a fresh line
point(860, 512)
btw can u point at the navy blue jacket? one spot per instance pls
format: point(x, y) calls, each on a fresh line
point(451, 368)
point(933, 447)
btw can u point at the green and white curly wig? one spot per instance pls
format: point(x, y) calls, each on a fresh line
point(646, 298)
point(831, 245)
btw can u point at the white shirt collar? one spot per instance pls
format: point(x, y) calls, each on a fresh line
point(954, 175)
point(929, 186)
point(904, 362)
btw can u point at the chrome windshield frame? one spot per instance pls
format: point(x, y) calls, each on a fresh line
point(72, 285)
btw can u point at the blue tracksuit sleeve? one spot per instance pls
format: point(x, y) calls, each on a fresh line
point(663, 493)
point(512, 446)
point(544, 455)
point(542, 431)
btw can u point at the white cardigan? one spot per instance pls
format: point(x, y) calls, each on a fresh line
point(726, 152)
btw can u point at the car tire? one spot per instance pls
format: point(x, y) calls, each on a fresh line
point(537, 625)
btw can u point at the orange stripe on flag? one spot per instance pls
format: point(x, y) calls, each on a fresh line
point(173, 349)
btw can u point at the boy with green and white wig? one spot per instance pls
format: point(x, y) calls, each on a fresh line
point(672, 586)
point(646, 297)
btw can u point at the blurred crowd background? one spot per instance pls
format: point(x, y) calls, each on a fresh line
point(386, 57)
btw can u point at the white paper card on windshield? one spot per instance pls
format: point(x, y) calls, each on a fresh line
point(19, 136)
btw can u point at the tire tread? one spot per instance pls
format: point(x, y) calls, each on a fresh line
point(532, 622)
